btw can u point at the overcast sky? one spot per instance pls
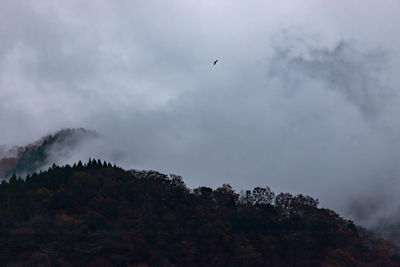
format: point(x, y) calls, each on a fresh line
point(304, 98)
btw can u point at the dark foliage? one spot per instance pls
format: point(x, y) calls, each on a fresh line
point(96, 214)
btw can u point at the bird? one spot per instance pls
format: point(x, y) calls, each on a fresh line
point(215, 62)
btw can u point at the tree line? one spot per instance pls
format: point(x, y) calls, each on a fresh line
point(97, 214)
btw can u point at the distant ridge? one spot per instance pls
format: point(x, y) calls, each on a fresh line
point(30, 158)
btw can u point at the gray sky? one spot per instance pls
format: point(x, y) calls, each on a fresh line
point(304, 98)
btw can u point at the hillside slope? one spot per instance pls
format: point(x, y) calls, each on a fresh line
point(33, 157)
point(99, 215)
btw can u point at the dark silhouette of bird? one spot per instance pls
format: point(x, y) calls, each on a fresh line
point(215, 62)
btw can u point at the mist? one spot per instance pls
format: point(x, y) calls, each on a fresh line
point(304, 97)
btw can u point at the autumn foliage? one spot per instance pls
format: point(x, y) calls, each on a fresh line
point(96, 214)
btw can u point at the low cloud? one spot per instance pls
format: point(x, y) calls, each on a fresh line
point(359, 76)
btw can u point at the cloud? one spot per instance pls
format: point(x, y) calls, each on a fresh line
point(359, 76)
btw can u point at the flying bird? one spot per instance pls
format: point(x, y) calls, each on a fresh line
point(215, 62)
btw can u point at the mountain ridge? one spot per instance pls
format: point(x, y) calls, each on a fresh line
point(22, 160)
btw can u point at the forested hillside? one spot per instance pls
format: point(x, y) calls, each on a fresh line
point(33, 157)
point(96, 214)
